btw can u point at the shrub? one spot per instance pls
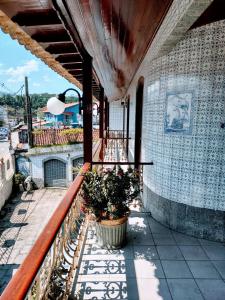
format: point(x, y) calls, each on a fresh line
point(107, 194)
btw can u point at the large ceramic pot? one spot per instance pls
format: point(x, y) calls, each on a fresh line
point(111, 234)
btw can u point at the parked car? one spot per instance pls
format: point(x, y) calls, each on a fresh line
point(3, 137)
point(4, 130)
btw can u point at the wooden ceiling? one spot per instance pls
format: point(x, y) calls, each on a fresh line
point(116, 33)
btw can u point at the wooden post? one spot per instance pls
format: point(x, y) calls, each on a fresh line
point(107, 113)
point(87, 107)
point(138, 123)
point(106, 120)
point(124, 106)
point(28, 114)
point(128, 125)
point(101, 112)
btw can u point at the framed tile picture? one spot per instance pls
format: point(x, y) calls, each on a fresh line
point(178, 112)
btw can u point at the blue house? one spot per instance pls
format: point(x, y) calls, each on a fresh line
point(69, 117)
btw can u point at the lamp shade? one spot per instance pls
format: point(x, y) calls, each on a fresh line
point(55, 106)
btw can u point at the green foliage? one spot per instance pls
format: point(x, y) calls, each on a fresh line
point(93, 195)
point(37, 131)
point(17, 180)
point(40, 114)
point(37, 100)
point(107, 194)
point(1, 123)
point(72, 131)
point(72, 134)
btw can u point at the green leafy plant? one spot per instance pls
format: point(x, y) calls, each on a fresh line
point(107, 194)
point(72, 134)
point(71, 131)
point(19, 178)
point(38, 131)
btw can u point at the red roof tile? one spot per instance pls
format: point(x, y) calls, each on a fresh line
point(55, 137)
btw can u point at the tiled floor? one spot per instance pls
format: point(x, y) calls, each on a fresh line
point(22, 220)
point(156, 263)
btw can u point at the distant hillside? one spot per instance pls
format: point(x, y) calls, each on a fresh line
point(37, 100)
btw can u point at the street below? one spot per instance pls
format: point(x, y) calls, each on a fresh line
point(22, 220)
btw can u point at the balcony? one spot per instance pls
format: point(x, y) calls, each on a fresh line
point(156, 263)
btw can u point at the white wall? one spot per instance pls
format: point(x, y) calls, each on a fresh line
point(115, 115)
point(38, 156)
point(7, 168)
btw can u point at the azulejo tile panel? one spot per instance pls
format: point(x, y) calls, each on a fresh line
point(188, 164)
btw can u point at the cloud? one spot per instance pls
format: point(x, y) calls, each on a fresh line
point(18, 73)
point(46, 78)
point(36, 84)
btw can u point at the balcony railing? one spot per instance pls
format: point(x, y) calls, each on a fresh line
point(48, 269)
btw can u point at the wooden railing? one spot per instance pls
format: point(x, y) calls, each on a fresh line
point(48, 269)
point(115, 134)
point(96, 152)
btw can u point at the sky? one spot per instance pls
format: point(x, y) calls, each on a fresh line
point(16, 62)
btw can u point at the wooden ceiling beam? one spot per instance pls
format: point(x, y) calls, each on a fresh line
point(49, 36)
point(46, 44)
point(79, 71)
point(68, 58)
point(68, 66)
point(61, 48)
point(73, 66)
point(76, 72)
point(37, 17)
point(66, 18)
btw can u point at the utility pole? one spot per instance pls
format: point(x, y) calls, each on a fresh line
point(29, 114)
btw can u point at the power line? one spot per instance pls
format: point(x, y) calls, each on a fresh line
point(20, 89)
point(2, 84)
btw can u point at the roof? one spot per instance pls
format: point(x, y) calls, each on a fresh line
point(115, 34)
point(24, 127)
point(53, 136)
point(67, 105)
point(65, 34)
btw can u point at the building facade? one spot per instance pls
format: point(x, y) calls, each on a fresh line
point(69, 117)
point(183, 133)
point(51, 166)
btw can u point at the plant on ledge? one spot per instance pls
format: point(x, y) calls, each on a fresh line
point(107, 196)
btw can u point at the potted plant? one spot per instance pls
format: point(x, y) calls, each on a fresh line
point(106, 195)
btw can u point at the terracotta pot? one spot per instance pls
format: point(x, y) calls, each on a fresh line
point(111, 234)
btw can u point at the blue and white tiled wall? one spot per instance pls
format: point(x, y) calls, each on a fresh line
point(188, 167)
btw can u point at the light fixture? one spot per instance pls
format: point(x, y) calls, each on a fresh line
point(56, 105)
